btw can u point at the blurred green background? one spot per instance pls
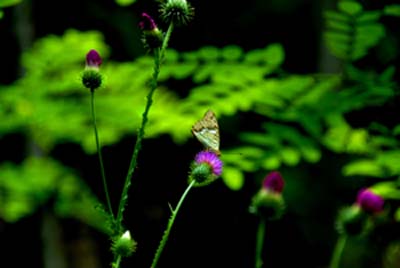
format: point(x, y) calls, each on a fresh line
point(306, 87)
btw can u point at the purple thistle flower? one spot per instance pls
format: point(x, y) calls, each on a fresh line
point(369, 201)
point(274, 182)
point(147, 23)
point(93, 59)
point(211, 159)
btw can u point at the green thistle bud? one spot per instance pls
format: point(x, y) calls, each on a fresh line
point(351, 221)
point(124, 245)
point(268, 201)
point(268, 204)
point(180, 12)
point(91, 79)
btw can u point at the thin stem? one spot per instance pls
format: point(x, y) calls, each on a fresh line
point(164, 239)
point(103, 174)
point(117, 261)
point(337, 254)
point(259, 243)
point(158, 58)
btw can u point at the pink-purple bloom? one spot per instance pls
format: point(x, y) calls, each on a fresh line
point(369, 201)
point(274, 182)
point(211, 159)
point(147, 23)
point(93, 59)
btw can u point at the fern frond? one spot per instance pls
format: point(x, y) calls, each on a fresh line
point(352, 31)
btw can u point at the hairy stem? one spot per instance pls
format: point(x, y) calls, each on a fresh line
point(171, 221)
point(158, 58)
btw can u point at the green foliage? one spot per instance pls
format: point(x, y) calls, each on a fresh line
point(125, 2)
point(351, 31)
point(302, 113)
point(392, 10)
point(39, 182)
point(8, 3)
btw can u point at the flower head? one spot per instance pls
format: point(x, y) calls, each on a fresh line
point(206, 168)
point(93, 59)
point(274, 182)
point(369, 202)
point(211, 159)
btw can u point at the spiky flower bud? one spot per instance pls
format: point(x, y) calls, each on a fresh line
point(206, 168)
point(152, 37)
point(359, 217)
point(268, 201)
point(91, 77)
point(124, 245)
point(180, 12)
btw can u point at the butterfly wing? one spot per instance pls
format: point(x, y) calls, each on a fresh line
point(206, 131)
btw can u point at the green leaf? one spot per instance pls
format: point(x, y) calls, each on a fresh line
point(125, 2)
point(369, 16)
point(7, 3)
point(290, 156)
point(350, 7)
point(275, 54)
point(271, 162)
point(233, 178)
point(208, 53)
point(363, 168)
point(333, 15)
point(37, 181)
point(232, 53)
point(392, 10)
point(396, 130)
point(387, 190)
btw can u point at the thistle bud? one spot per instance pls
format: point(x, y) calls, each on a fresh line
point(91, 77)
point(180, 12)
point(124, 245)
point(268, 201)
point(358, 218)
point(206, 168)
point(152, 37)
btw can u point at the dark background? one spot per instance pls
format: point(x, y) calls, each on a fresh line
point(213, 228)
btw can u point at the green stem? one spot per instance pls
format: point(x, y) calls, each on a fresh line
point(337, 254)
point(103, 174)
point(158, 58)
point(117, 261)
point(259, 243)
point(164, 239)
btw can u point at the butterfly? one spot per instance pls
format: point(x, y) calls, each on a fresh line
point(206, 130)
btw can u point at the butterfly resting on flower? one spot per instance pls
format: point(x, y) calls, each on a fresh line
point(206, 130)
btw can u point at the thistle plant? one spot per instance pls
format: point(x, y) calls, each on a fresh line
point(156, 42)
point(269, 205)
point(206, 168)
point(356, 220)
